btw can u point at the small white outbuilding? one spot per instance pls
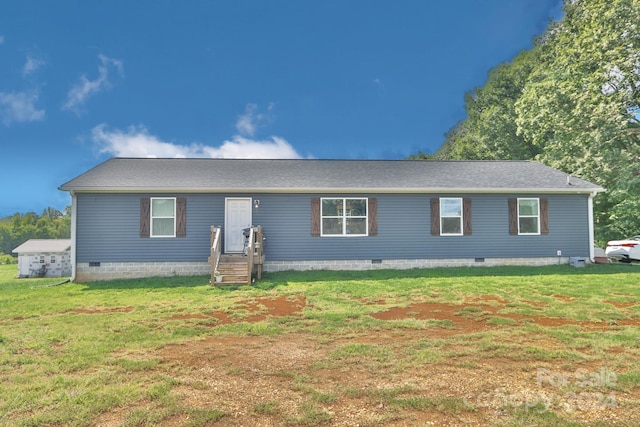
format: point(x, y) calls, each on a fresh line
point(44, 258)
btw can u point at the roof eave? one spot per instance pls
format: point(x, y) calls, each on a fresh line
point(346, 190)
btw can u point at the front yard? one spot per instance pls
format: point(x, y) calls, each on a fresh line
point(470, 346)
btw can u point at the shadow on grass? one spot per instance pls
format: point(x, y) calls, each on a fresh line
point(277, 280)
point(447, 272)
point(149, 283)
point(281, 279)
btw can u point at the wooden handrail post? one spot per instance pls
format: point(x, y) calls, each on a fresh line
point(259, 251)
point(214, 259)
point(250, 250)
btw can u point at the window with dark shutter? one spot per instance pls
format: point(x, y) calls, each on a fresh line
point(451, 216)
point(163, 217)
point(356, 217)
point(528, 216)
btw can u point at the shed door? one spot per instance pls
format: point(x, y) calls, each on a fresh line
point(237, 218)
point(23, 265)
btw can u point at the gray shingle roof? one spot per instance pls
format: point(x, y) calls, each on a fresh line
point(250, 175)
point(44, 245)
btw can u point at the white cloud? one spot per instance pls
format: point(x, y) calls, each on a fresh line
point(1, 39)
point(244, 148)
point(31, 65)
point(85, 88)
point(137, 142)
point(246, 123)
point(19, 107)
point(250, 120)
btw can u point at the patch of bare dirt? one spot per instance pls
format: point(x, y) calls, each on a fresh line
point(259, 309)
point(238, 374)
point(620, 304)
point(435, 311)
point(243, 375)
point(470, 321)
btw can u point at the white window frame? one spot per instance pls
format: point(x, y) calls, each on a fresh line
point(459, 200)
point(345, 216)
point(537, 216)
point(152, 217)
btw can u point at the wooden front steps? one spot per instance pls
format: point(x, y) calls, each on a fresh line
point(237, 269)
point(234, 269)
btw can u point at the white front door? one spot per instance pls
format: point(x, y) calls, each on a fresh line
point(237, 217)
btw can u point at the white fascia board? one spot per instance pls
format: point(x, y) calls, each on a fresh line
point(347, 190)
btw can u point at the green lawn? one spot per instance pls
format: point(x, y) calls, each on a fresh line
point(468, 342)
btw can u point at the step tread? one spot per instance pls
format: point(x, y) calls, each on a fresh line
point(233, 269)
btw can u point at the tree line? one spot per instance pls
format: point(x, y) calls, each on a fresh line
point(18, 228)
point(572, 102)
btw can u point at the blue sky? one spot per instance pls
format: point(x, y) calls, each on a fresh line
point(82, 81)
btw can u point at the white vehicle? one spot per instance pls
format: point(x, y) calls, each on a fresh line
point(627, 250)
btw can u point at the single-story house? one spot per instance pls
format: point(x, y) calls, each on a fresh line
point(44, 258)
point(134, 217)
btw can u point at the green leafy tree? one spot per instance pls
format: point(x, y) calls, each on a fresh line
point(490, 132)
point(571, 102)
point(420, 156)
point(580, 106)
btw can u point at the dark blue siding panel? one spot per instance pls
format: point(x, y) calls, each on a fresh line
point(108, 229)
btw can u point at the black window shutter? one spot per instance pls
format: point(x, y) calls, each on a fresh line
point(544, 216)
point(435, 216)
point(181, 217)
point(315, 217)
point(145, 217)
point(466, 216)
point(513, 216)
point(372, 212)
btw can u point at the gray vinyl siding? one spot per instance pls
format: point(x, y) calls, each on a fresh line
point(108, 229)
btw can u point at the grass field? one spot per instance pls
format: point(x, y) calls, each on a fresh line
point(469, 346)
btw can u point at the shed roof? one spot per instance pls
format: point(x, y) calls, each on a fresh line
point(44, 245)
point(252, 175)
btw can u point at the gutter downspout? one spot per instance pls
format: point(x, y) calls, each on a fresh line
point(591, 228)
point(74, 221)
